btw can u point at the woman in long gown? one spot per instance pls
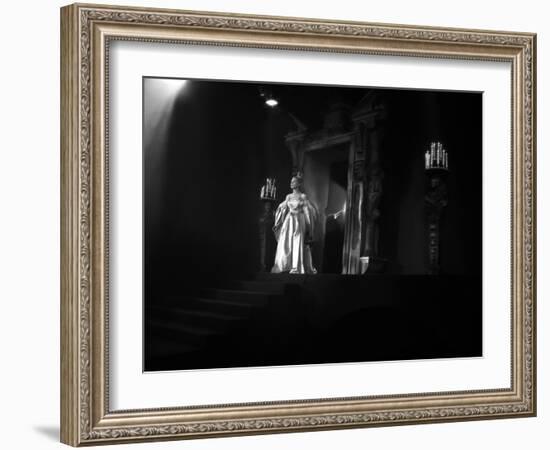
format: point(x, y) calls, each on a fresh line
point(294, 226)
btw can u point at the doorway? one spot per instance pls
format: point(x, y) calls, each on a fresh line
point(326, 173)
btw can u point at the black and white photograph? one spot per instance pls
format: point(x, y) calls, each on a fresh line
point(279, 219)
point(298, 224)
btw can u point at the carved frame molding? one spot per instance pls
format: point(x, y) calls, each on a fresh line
point(86, 31)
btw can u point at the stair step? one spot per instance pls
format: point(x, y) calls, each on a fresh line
point(162, 347)
point(267, 287)
point(209, 319)
point(166, 354)
point(218, 305)
point(294, 278)
point(195, 330)
point(183, 333)
point(235, 295)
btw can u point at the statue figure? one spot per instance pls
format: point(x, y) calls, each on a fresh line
point(294, 227)
point(372, 211)
point(436, 201)
point(436, 198)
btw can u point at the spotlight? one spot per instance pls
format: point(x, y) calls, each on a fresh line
point(268, 97)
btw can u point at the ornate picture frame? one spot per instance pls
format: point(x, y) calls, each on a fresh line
point(86, 34)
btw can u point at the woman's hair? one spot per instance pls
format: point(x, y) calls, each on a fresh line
point(299, 178)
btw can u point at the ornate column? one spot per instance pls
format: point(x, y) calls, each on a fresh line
point(369, 119)
point(351, 263)
point(266, 221)
point(437, 169)
point(370, 256)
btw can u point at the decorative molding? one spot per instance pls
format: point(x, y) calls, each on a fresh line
point(529, 216)
point(305, 26)
point(303, 423)
point(88, 15)
point(85, 226)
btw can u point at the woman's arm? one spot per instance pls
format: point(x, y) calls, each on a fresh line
point(311, 214)
point(280, 215)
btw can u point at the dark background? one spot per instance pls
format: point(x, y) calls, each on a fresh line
point(205, 163)
point(208, 148)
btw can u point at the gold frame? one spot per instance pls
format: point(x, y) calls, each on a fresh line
point(86, 31)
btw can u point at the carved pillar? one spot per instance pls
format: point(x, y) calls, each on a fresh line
point(267, 239)
point(351, 263)
point(368, 122)
point(375, 176)
point(436, 201)
point(370, 256)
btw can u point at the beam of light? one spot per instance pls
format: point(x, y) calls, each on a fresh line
point(169, 87)
point(271, 102)
point(159, 98)
point(336, 201)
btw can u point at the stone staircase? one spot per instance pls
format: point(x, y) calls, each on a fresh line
point(224, 326)
point(280, 319)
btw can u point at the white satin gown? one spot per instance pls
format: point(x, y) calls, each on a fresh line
point(294, 226)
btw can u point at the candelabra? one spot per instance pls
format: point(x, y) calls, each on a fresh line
point(436, 157)
point(436, 165)
point(269, 190)
point(268, 197)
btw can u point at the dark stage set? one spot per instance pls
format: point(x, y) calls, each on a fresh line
point(397, 242)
